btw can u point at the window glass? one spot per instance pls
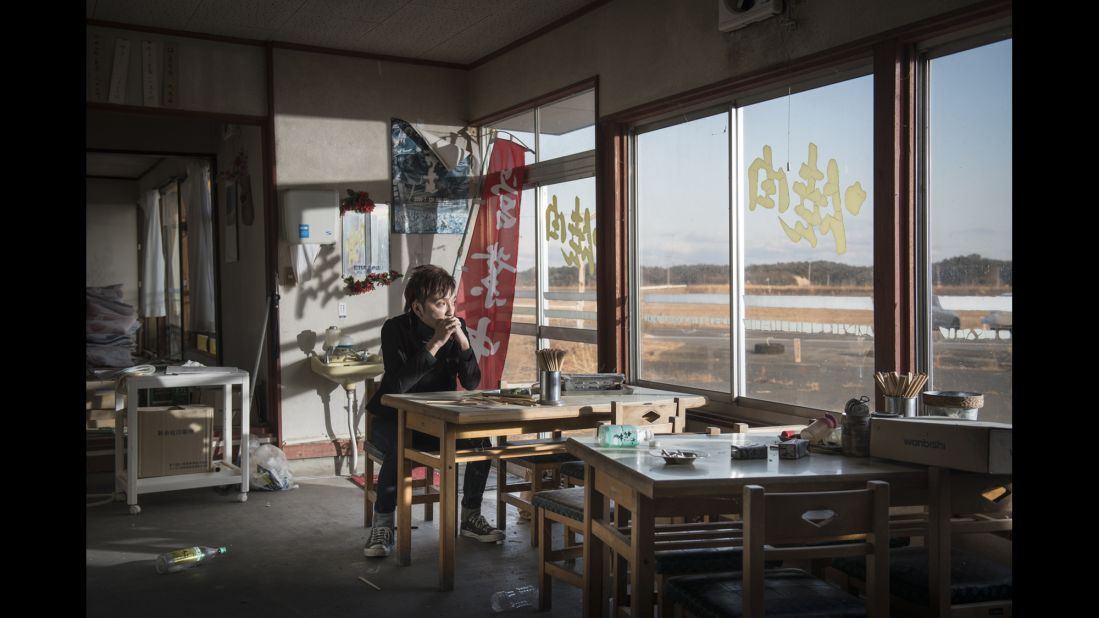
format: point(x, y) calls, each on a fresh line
point(569, 231)
point(567, 126)
point(526, 273)
point(683, 253)
point(970, 208)
point(555, 267)
point(579, 357)
point(519, 368)
point(807, 206)
point(521, 128)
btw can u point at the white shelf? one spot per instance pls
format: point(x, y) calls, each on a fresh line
point(126, 421)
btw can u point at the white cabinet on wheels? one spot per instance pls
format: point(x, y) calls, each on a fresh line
point(225, 472)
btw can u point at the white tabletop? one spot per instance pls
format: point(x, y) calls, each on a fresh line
point(716, 472)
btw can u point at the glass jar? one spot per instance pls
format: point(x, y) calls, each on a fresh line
point(856, 434)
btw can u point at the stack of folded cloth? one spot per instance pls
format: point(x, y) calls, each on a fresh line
point(110, 328)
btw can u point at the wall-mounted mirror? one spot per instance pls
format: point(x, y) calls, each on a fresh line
point(365, 242)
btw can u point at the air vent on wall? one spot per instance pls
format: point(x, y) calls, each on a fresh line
point(735, 14)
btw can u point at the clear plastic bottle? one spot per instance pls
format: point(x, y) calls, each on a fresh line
point(523, 596)
point(170, 562)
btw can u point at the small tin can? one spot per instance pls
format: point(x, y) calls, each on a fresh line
point(751, 450)
point(793, 449)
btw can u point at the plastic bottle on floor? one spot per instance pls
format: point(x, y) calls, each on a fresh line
point(170, 562)
point(523, 596)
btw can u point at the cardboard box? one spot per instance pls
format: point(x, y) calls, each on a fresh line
point(174, 440)
point(976, 446)
point(99, 419)
point(99, 395)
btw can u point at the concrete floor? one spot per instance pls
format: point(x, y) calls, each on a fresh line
point(292, 553)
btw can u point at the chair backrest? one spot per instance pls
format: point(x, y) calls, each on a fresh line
point(805, 523)
point(967, 503)
point(661, 416)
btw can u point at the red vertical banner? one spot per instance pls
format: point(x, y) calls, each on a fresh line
point(486, 292)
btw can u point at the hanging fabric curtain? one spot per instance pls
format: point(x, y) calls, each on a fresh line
point(200, 254)
point(152, 268)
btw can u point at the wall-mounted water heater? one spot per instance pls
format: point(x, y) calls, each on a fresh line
point(736, 14)
point(310, 216)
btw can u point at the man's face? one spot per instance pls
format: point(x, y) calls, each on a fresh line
point(435, 309)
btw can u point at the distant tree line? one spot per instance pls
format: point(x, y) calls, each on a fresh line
point(962, 270)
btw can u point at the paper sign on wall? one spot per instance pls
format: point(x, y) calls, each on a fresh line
point(120, 71)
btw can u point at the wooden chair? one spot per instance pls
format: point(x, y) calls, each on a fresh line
point(800, 522)
point(427, 497)
point(968, 582)
point(566, 507)
point(543, 472)
point(660, 417)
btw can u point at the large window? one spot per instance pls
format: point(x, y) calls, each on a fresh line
point(556, 284)
point(807, 233)
point(795, 267)
point(682, 231)
point(969, 207)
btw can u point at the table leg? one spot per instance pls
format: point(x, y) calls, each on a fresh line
point(404, 492)
point(448, 520)
point(642, 529)
point(938, 541)
point(245, 431)
point(132, 430)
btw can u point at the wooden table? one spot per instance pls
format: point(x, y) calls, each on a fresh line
point(648, 488)
point(454, 415)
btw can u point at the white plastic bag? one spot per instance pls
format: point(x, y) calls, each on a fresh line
point(270, 469)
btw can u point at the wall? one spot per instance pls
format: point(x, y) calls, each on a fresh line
point(243, 282)
point(213, 76)
point(332, 117)
point(110, 233)
point(643, 50)
point(104, 130)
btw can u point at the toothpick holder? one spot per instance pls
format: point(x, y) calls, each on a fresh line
point(549, 388)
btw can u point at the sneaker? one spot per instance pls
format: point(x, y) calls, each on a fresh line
point(475, 527)
point(380, 544)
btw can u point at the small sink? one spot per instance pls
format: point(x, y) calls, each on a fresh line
point(346, 374)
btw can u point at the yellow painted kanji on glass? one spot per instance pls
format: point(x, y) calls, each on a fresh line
point(812, 199)
point(577, 239)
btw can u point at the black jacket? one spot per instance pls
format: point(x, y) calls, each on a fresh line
point(409, 368)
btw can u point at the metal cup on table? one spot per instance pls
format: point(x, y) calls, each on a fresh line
point(549, 388)
point(901, 406)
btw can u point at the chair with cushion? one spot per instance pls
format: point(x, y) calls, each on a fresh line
point(428, 495)
point(800, 523)
point(969, 581)
point(566, 507)
point(543, 472)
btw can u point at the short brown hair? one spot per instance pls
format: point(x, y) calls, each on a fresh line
point(427, 282)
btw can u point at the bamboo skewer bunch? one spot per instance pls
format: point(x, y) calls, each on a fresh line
point(550, 359)
point(906, 385)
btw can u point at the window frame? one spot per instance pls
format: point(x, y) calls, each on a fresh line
point(540, 175)
point(898, 267)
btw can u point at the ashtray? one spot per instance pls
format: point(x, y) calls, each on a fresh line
point(676, 456)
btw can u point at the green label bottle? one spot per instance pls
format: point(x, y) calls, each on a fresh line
point(170, 562)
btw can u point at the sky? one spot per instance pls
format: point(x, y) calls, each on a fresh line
point(683, 169)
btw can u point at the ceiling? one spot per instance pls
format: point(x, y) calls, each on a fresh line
point(452, 31)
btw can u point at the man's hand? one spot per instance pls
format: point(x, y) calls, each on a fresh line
point(458, 335)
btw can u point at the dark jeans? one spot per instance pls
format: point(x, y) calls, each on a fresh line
point(383, 434)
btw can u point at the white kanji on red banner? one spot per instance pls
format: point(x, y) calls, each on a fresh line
point(486, 292)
